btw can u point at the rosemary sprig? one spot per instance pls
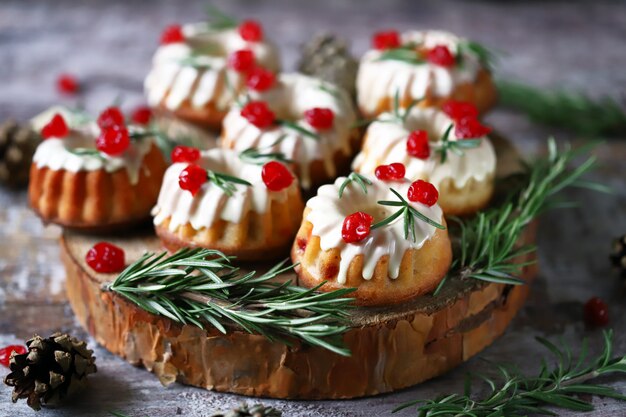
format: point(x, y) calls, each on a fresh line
point(405, 53)
point(571, 110)
point(196, 60)
point(202, 287)
point(409, 214)
point(258, 157)
point(86, 152)
point(226, 182)
point(455, 146)
point(399, 114)
point(519, 395)
point(300, 129)
point(486, 56)
point(329, 90)
point(359, 179)
point(218, 20)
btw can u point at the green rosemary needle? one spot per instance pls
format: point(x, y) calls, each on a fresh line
point(300, 129)
point(258, 157)
point(456, 146)
point(226, 182)
point(357, 178)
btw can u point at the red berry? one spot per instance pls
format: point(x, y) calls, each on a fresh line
point(441, 55)
point(276, 176)
point(141, 115)
point(386, 39)
point(470, 127)
point(356, 227)
point(5, 353)
point(172, 34)
point(251, 31)
point(67, 84)
point(423, 192)
point(113, 140)
point(187, 154)
point(596, 312)
point(241, 60)
point(192, 178)
point(111, 116)
point(258, 113)
point(56, 128)
point(417, 144)
point(392, 172)
point(320, 118)
point(260, 79)
point(459, 109)
point(105, 257)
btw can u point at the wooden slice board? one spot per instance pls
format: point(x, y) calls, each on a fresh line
point(392, 348)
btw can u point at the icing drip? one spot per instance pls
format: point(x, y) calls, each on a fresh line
point(197, 69)
point(289, 99)
point(380, 79)
point(55, 153)
point(385, 143)
point(211, 202)
point(328, 212)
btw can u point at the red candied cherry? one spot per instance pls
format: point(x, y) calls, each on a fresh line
point(242, 60)
point(141, 115)
point(172, 34)
point(320, 118)
point(192, 178)
point(356, 227)
point(5, 353)
point(113, 140)
point(596, 312)
point(470, 127)
point(391, 172)
point(67, 84)
point(387, 39)
point(423, 192)
point(417, 144)
point(441, 55)
point(260, 79)
point(259, 114)
point(459, 109)
point(56, 128)
point(187, 154)
point(111, 116)
point(251, 31)
point(105, 257)
point(276, 176)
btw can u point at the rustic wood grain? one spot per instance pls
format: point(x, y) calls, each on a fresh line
point(108, 44)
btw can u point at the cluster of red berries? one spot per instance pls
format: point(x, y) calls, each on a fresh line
point(438, 55)
point(465, 116)
point(391, 172)
point(106, 258)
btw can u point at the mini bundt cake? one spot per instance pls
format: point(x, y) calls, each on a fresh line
point(309, 121)
point(386, 238)
point(429, 67)
point(199, 70)
point(448, 148)
point(93, 174)
point(217, 200)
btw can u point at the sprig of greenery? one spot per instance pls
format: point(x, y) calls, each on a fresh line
point(218, 20)
point(226, 182)
point(399, 114)
point(517, 395)
point(570, 110)
point(409, 214)
point(258, 157)
point(359, 179)
point(456, 146)
point(486, 56)
point(406, 53)
point(300, 129)
point(86, 152)
point(202, 287)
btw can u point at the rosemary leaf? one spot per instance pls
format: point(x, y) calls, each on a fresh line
point(362, 182)
point(86, 152)
point(226, 182)
point(300, 129)
point(218, 20)
point(408, 55)
point(257, 157)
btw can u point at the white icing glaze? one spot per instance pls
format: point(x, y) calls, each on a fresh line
point(385, 143)
point(380, 79)
point(328, 212)
point(211, 202)
point(292, 95)
point(175, 81)
point(55, 153)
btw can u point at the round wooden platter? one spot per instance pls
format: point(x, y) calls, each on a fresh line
point(392, 348)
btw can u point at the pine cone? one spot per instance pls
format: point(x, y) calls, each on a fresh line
point(618, 255)
point(52, 369)
point(257, 410)
point(328, 57)
point(17, 146)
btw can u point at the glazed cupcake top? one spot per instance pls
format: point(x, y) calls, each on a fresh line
point(75, 141)
point(200, 64)
point(219, 184)
point(348, 221)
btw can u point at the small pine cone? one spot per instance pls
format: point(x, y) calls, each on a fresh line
point(618, 255)
point(51, 370)
point(17, 146)
point(328, 57)
point(256, 410)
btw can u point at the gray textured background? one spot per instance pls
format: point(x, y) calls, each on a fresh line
point(108, 45)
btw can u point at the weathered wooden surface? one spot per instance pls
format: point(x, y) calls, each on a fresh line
point(108, 44)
